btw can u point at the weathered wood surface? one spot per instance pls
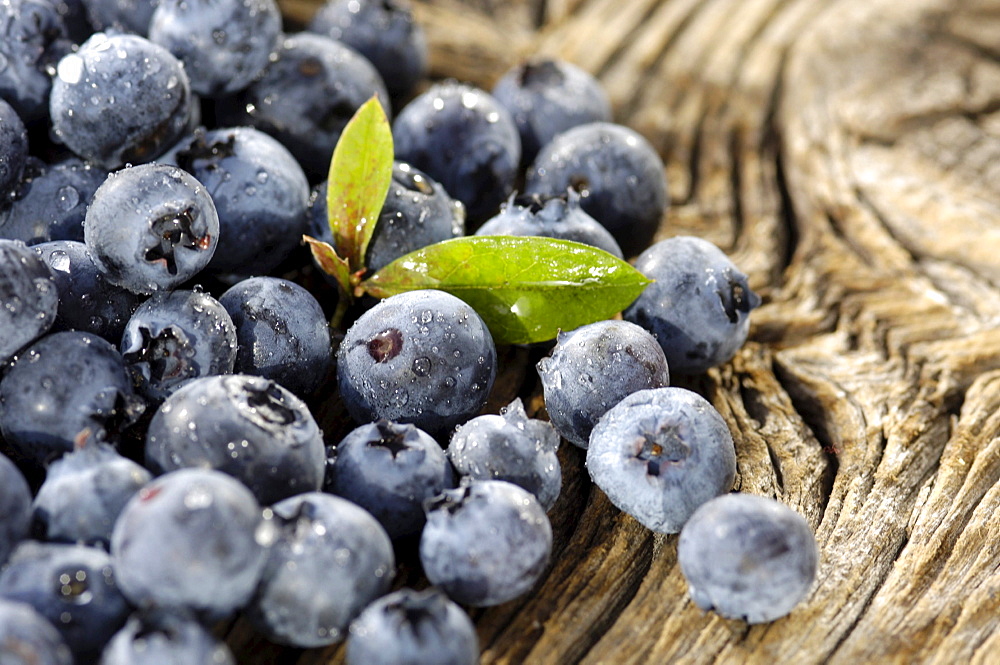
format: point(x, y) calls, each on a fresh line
point(846, 154)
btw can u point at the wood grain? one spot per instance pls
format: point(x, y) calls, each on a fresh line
point(846, 153)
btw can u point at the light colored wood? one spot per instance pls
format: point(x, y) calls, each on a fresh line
point(846, 153)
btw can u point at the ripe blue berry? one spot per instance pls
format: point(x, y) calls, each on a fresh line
point(15, 507)
point(328, 560)
point(119, 99)
point(151, 227)
point(409, 627)
point(34, 38)
point(617, 173)
point(28, 295)
point(747, 557)
point(389, 469)
point(698, 306)
point(245, 426)
point(659, 454)
point(510, 447)
point(593, 368)
point(423, 357)
point(165, 638)
point(13, 148)
point(464, 139)
point(547, 96)
point(28, 638)
point(191, 540)
point(486, 542)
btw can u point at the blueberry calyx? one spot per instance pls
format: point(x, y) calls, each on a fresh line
point(541, 74)
point(386, 345)
point(202, 150)
point(392, 437)
point(662, 449)
point(267, 403)
point(449, 500)
point(73, 587)
point(167, 355)
point(172, 231)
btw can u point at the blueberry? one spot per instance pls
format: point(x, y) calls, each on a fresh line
point(417, 212)
point(385, 32)
point(309, 91)
point(191, 540)
point(28, 638)
point(510, 447)
point(552, 217)
point(151, 227)
point(389, 469)
point(281, 332)
point(422, 357)
point(409, 627)
point(223, 44)
point(13, 148)
point(121, 15)
point(29, 297)
point(617, 173)
point(486, 542)
point(659, 454)
point(547, 96)
point(175, 337)
point(50, 202)
point(747, 557)
point(699, 305)
point(87, 301)
point(119, 99)
point(245, 426)
point(63, 385)
point(593, 368)
point(329, 560)
point(73, 586)
point(463, 138)
point(260, 193)
point(15, 507)
point(165, 638)
point(34, 39)
point(83, 493)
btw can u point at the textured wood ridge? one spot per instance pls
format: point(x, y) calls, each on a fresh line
point(846, 153)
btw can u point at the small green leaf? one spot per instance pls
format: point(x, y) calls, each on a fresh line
point(360, 174)
point(326, 257)
point(527, 289)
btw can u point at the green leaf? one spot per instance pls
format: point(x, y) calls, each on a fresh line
point(527, 289)
point(326, 257)
point(360, 174)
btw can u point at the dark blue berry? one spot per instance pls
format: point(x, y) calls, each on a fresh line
point(15, 507)
point(60, 387)
point(83, 493)
point(422, 357)
point(417, 212)
point(593, 368)
point(13, 149)
point(73, 586)
point(510, 447)
point(659, 454)
point(131, 16)
point(464, 139)
point(389, 470)
point(616, 171)
point(281, 333)
point(306, 96)
point(28, 297)
point(547, 96)
point(175, 337)
point(385, 32)
point(87, 301)
point(28, 638)
point(698, 306)
point(223, 44)
point(245, 426)
point(259, 191)
point(120, 99)
point(409, 627)
point(34, 39)
point(165, 638)
point(552, 217)
point(151, 227)
point(328, 560)
point(486, 542)
point(747, 557)
point(191, 540)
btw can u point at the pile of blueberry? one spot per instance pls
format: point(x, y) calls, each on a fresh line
point(160, 465)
